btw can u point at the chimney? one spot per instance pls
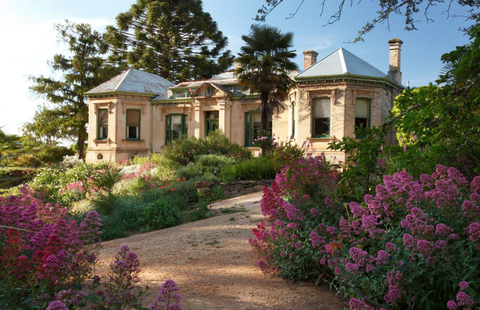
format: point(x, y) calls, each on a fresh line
point(236, 65)
point(394, 72)
point(309, 58)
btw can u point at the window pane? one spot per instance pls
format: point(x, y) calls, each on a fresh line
point(321, 127)
point(132, 132)
point(361, 108)
point(321, 107)
point(176, 122)
point(133, 116)
point(103, 116)
point(103, 132)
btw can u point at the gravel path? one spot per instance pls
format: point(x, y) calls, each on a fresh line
point(214, 266)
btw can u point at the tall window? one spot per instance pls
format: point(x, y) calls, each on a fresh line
point(293, 121)
point(362, 114)
point(253, 126)
point(102, 133)
point(133, 124)
point(211, 121)
point(321, 117)
point(176, 126)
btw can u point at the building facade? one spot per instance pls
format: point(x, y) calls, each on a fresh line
point(138, 112)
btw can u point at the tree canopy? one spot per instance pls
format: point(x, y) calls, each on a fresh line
point(266, 66)
point(65, 113)
point(174, 39)
point(409, 9)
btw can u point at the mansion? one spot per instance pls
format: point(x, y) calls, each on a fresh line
point(137, 112)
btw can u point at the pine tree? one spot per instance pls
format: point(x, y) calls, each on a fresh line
point(171, 38)
point(66, 109)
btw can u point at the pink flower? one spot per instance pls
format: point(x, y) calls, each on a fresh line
point(463, 285)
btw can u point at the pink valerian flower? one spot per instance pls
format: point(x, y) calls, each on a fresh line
point(356, 304)
point(451, 305)
point(395, 291)
point(443, 230)
point(382, 257)
point(57, 305)
point(470, 210)
point(316, 239)
point(122, 278)
point(70, 297)
point(167, 298)
point(474, 231)
point(292, 225)
point(463, 299)
point(475, 185)
point(357, 210)
point(358, 255)
point(463, 285)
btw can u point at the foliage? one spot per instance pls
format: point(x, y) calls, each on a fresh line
point(66, 115)
point(9, 145)
point(266, 67)
point(209, 166)
point(46, 259)
point(266, 142)
point(407, 9)
point(286, 153)
point(173, 39)
point(414, 245)
point(27, 160)
point(365, 165)
point(103, 182)
point(186, 149)
point(160, 214)
point(258, 168)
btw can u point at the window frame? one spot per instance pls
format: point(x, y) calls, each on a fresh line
point(99, 125)
point(128, 125)
point(249, 124)
point(369, 101)
point(209, 121)
point(313, 118)
point(168, 124)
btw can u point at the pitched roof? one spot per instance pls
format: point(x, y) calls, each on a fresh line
point(225, 78)
point(134, 81)
point(342, 62)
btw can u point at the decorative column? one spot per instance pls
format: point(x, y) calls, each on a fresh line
point(224, 116)
point(196, 119)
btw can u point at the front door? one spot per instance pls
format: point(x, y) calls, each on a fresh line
point(211, 121)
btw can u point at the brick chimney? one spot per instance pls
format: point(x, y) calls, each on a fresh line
point(309, 59)
point(394, 72)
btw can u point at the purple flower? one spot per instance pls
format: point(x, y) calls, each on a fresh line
point(57, 305)
point(452, 305)
point(463, 285)
point(167, 298)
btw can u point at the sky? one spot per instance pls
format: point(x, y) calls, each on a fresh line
point(28, 41)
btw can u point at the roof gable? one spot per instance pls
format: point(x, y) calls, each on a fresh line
point(134, 81)
point(342, 62)
point(209, 89)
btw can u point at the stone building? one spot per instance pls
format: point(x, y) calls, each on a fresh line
point(138, 112)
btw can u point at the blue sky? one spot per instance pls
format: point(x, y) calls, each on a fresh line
point(27, 39)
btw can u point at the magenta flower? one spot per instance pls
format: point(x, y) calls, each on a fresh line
point(463, 285)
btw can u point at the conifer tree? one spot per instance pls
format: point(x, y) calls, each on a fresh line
point(171, 38)
point(66, 109)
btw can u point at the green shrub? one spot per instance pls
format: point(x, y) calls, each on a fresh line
point(209, 166)
point(186, 149)
point(259, 168)
point(286, 154)
point(160, 214)
point(53, 154)
point(27, 160)
point(202, 212)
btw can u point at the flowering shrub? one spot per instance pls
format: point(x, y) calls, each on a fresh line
point(413, 245)
point(266, 142)
point(46, 257)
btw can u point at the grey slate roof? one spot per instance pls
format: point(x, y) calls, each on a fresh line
point(341, 62)
point(134, 81)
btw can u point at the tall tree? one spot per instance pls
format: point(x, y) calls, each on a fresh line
point(171, 38)
point(406, 8)
point(266, 66)
point(66, 109)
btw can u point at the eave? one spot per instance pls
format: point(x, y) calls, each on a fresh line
point(349, 77)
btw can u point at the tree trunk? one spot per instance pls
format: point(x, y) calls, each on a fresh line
point(264, 98)
point(81, 147)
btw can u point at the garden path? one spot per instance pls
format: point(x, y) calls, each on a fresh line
point(213, 264)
